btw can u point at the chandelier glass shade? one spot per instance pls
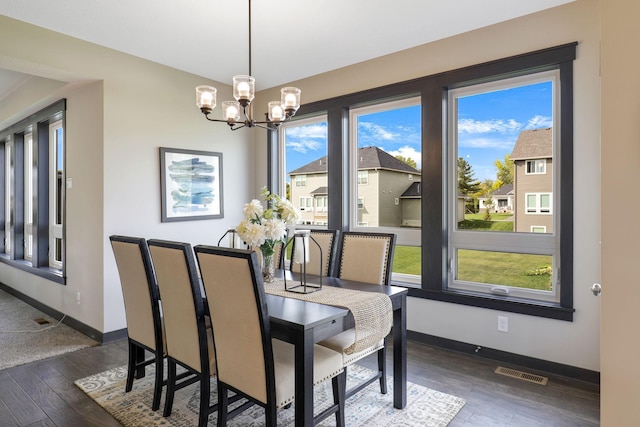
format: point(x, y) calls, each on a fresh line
point(238, 114)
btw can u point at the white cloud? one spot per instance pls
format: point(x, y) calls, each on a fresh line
point(408, 152)
point(309, 131)
point(506, 143)
point(303, 139)
point(373, 131)
point(304, 145)
point(537, 122)
point(472, 126)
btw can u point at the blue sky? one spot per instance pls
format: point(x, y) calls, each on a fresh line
point(488, 127)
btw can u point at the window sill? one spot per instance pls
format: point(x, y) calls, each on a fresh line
point(501, 303)
point(48, 273)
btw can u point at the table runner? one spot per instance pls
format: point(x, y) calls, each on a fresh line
point(372, 311)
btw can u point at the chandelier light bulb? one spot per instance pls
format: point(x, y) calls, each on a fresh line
point(276, 112)
point(206, 98)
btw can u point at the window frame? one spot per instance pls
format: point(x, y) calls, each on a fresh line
point(432, 91)
point(507, 242)
point(535, 163)
point(537, 209)
point(15, 184)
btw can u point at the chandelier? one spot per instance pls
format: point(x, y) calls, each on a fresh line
point(239, 113)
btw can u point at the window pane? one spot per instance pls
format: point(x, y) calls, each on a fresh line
point(388, 161)
point(502, 154)
point(28, 196)
point(305, 164)
point(505, 269)
point(8, 171)
point(502, 133)
point(386, 169)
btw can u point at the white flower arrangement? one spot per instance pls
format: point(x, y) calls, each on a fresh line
point(264, 228)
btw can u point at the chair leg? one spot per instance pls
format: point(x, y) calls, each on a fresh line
point(339, 384)
point(223, 402)
point(157, 387)
point(140, 365)
point(382, 369)
point(131, 368)
point(271, 416)
point(205, 386)
point(171, 387)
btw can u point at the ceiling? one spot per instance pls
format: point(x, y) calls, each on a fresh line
point(291, 39)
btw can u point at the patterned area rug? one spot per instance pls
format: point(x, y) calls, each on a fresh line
point(425, 407)
point(27, 334)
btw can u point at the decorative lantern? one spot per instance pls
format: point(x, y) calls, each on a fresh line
point(300, 255)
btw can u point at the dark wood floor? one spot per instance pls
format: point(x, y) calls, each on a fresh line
point(43, 394)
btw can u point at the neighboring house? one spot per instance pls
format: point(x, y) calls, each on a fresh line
point(502, 199)
point(382, 180)
point(532, 158)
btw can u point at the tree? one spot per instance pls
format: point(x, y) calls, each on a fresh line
point(467, 184)
point(407, 160)
point(504, 171)
point(488, 204)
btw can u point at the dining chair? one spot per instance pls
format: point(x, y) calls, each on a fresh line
point(364, 257)
point(328, 241)
point(248, 360)
point(142, 311)
point(189, 342)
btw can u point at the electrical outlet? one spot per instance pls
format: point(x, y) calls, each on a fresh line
point(503, 323)
point(78, 298)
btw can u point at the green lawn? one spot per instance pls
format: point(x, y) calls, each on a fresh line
point(500, 268)
point(499, 222)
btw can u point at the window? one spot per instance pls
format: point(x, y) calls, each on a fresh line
point(28, 196)
point(538, 203)
point(363, 177)
point(322, 202)
point(306, 203)
point(56, 192)
point(536, 166)
point(8, 171)
point(447, 129)
point(303, 159)
point(486, 256)
point(33, 193)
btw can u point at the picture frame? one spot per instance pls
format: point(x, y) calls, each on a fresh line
point(191, 185)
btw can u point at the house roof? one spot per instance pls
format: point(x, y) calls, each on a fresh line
point(504, 190)
point(368, 158)
point(533, 144)
point(414, 190)
point(320, 191)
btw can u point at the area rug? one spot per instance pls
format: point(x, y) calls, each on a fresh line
point(27, 334)
point(425, 407)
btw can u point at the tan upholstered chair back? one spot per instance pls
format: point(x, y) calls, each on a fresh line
point(176, 293)
point(233, 305)
point(130, 259)
point(327, 240)
point(367, 257)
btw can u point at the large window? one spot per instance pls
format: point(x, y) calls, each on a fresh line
point(494, 129)
point(33, 193)
point(479, 192)
point(304, 172)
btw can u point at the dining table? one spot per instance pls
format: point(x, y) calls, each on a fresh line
point(304, 323)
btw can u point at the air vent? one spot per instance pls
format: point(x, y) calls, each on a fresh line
point(41, 321)
point(532, 378)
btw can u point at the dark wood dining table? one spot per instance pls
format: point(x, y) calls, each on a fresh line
point(304, 323)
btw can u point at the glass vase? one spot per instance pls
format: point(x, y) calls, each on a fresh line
point(268, 267)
